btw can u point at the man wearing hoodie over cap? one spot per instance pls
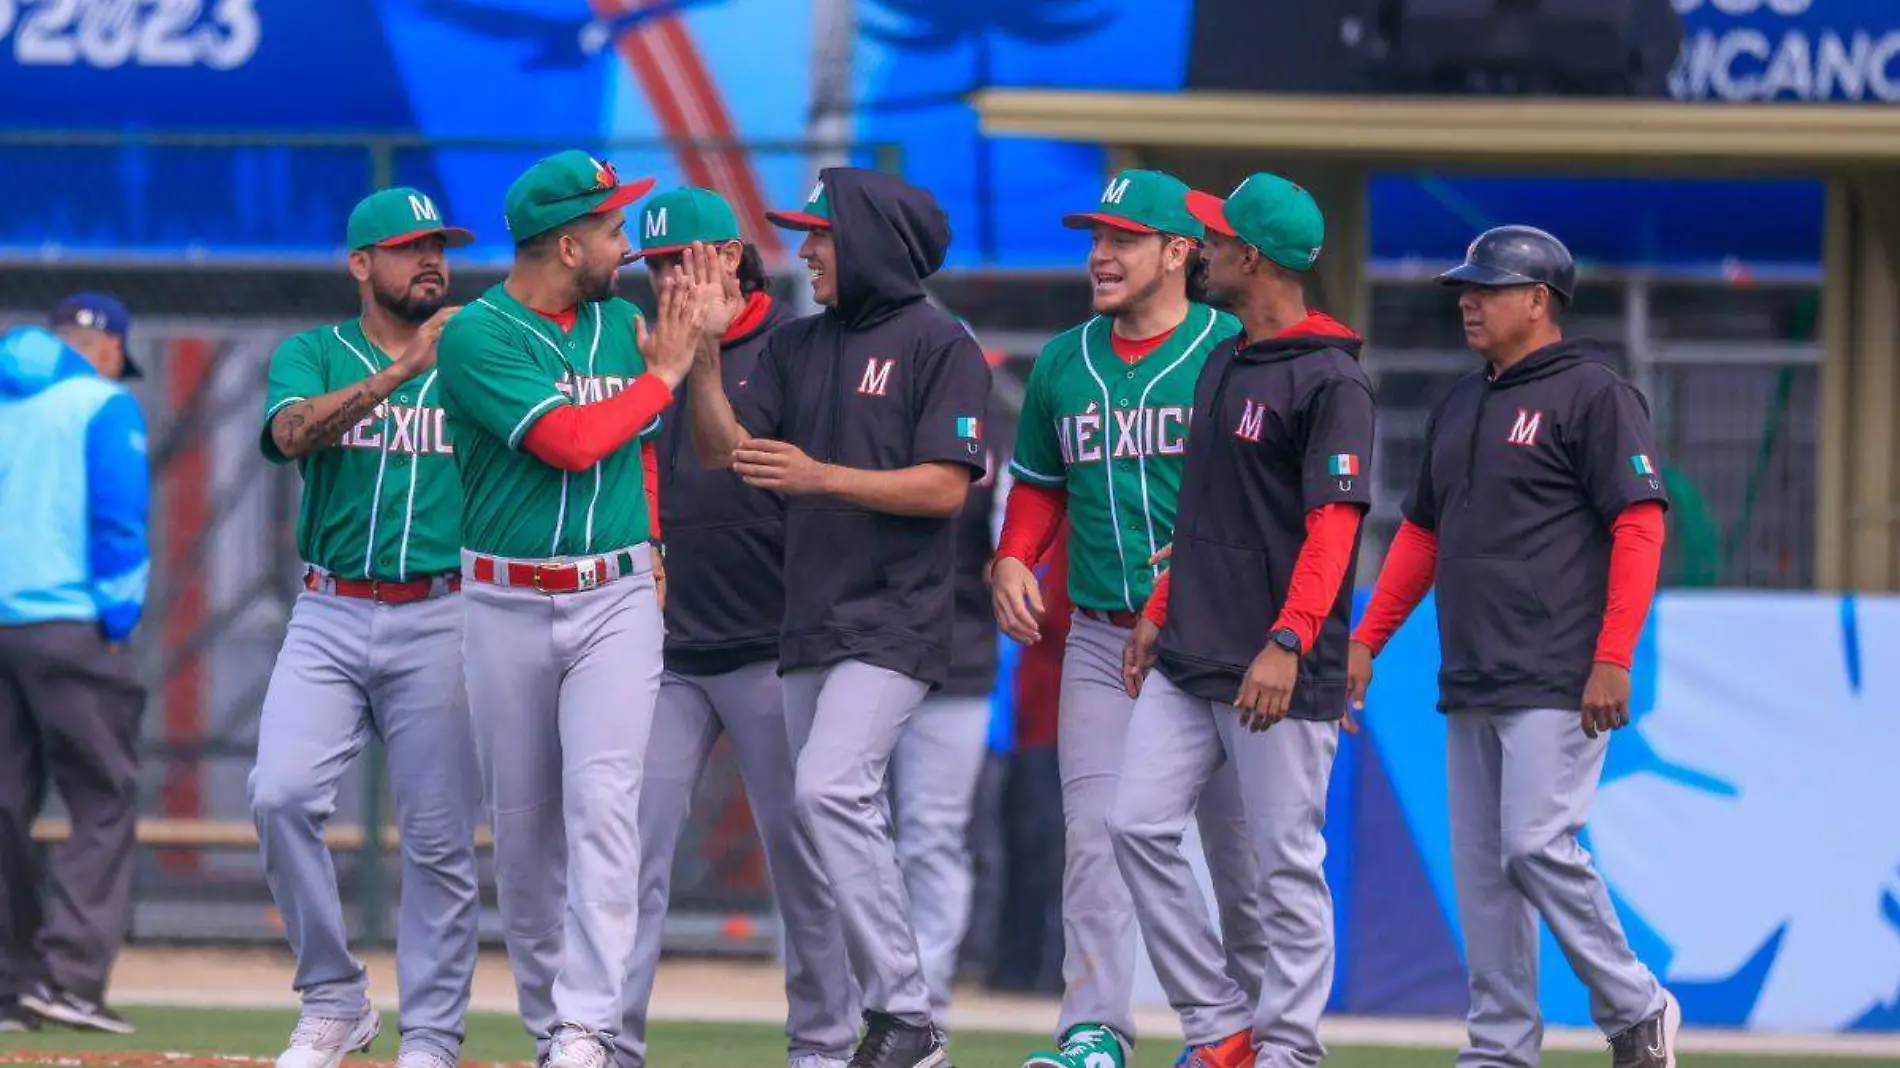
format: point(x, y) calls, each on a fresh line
point(1249, 630)
point(868, 417)
point(1538, 511)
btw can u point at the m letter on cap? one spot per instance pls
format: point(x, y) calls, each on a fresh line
point(1117, 189)
point(877, 377)
point(1252, 419)
point(423, 207)
point(1524, 430)
point(655, 224)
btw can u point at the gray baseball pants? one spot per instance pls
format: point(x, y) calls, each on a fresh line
point(747, 706)
point(1098, 915)
point(1175, 742)
point(845, 721)
point(69, 711)
point(1521, 786)
point(562, 690)
point(350, 669)
point(933, 782)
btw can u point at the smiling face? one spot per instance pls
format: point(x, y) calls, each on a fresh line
point(410, 281)
point(820, 254)
point(1128, 269)
point(596, 251)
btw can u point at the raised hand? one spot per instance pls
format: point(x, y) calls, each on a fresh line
point(419, 355)
point(716, 285)
point(670, 343)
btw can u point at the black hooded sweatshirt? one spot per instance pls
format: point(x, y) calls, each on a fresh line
point(1523, 476)
point(973, 652)
point(725, 540)
point(881, 381)
point(1281, 427)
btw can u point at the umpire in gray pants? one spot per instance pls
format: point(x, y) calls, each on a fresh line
point(73, 562)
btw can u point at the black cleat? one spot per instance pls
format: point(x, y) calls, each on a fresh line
point(15, 1018)
point(1652, 1043)
point(891, 1043)
point(66, 1007)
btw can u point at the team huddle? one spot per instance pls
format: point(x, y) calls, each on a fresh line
point(554, 548)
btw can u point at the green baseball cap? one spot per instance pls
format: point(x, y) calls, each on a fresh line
point(1272, 214)
point(816, 214)
point(396, 217)
point(676, 219)
point(562, 188)
point(1142, 202)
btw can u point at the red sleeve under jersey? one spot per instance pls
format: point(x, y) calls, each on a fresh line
point(1317, 573)
point(575, 437)
point(1031, 518)
point(1411, 564)
point(1321, 566)
point(1636, 546)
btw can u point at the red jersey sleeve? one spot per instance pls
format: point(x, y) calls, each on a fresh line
point(650, 466)
point(575, 437)
point(1031, 518)
point(1411, 564)
point(1636, 546)
point(1321, 566)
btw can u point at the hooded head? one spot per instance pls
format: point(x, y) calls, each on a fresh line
point(884, 237)
point(33, 358)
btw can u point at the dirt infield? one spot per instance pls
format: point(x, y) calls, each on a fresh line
point(753, 991)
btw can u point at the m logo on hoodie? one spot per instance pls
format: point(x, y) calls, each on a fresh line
point(1524, 429)
point(1253, 419)
point(877, 377)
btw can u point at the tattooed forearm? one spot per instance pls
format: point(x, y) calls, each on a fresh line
point(316, 424)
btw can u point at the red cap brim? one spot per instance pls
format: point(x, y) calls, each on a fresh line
point(1082, 220)
point(797, 220)
point(624, 195)
point(1210, 210)
point(452, 236)
point(661, 250)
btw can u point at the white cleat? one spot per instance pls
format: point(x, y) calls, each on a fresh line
point(817, 1060)
point(422, 1058)
point(573, 1046)
point(323, 1042)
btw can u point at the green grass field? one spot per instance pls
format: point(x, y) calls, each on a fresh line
point(674, 1045)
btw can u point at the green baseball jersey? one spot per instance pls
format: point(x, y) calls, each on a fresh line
point(504, 367)
point(384, 501)
point(1114, 435)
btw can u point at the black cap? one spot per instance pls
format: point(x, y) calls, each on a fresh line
point(1516, 256)
point(98, 311)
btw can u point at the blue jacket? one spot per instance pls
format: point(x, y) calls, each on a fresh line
point(74, 489)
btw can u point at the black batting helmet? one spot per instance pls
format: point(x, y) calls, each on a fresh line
point(1516, 256)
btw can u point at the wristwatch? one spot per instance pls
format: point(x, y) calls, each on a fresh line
point(1286, 638)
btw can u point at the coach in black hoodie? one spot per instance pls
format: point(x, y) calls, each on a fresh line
point(868, 417)
point(725, 560)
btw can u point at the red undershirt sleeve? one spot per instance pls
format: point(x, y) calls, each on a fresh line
point(1636, 547)
point(1411, 565)
point(1031, 518)
point(1320, 568)
point(1156, 610)
point(650, 467)
point(575, 437)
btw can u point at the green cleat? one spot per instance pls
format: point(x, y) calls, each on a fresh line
point(1085, 1046)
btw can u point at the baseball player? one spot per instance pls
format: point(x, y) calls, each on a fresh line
point(375, 642)
point(1249, 625)
point(868, 417)
point(726, 599)
point(939, 756)
point(1102, 438)
point(549, 380)
point(1538, 511)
